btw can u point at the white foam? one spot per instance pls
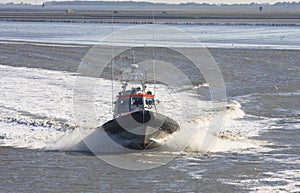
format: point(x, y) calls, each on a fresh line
point(232, 135)
point(37, 112)
point(24, 136)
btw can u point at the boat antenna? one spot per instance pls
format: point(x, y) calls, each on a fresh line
point(153, 55)
point(112, 61)
point(121, 69)
point(132, 56)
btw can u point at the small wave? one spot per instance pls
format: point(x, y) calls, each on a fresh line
point(59, 125)
point(27, 132)
point(280, 181)
point(290, 120)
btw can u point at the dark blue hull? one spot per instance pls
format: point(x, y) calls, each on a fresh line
point(140, 130)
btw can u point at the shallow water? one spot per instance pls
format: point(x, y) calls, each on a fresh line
point(256, 149)
point(232, 36)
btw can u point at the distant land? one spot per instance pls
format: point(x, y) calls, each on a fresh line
point(145, 3)
point(284, 13)
point(135, 6)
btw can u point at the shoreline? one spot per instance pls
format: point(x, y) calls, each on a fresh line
point(84, 46)
point(207, 16)
point(212, 22)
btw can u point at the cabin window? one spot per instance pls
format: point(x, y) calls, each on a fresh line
point(122, 106)
point(137, 102)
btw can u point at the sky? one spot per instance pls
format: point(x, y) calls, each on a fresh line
point(163, 1)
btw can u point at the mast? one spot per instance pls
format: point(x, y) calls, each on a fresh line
point(112, 66)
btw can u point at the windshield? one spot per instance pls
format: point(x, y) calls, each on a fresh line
point(137, 102)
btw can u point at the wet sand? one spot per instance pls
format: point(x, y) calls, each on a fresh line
point(45, 56)
point(65, 57)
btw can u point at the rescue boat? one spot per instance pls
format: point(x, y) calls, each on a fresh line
point(136, 123)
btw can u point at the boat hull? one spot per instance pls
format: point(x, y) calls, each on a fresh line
point(140, 130)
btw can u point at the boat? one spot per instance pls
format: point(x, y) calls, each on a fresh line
point(136, 124)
